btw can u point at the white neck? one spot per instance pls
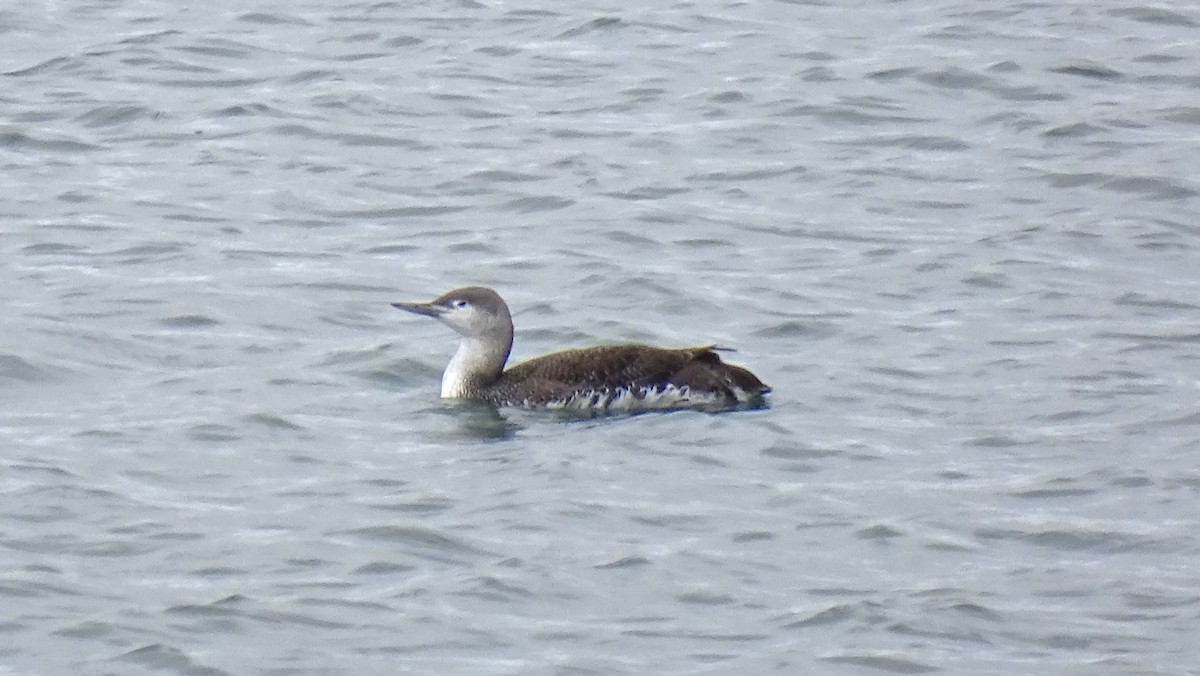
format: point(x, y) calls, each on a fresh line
point(477, 363)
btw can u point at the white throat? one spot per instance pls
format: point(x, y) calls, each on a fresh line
point(475, 364)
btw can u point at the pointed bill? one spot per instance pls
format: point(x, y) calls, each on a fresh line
point(427, 309)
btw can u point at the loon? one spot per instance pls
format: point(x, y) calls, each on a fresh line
point(628, 377)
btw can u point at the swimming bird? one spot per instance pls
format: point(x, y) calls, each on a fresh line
point(627, 377)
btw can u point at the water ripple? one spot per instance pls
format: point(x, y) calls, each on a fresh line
point(959, 241)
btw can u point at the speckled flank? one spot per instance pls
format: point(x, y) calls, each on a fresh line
point(647, 399)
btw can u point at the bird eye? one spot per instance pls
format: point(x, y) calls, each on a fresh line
point(460, 303)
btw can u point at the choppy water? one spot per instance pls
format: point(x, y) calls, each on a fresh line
point(961, 242)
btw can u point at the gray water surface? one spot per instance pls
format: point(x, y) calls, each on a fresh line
point(960, 240)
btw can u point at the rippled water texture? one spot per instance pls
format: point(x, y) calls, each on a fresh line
point(959, 239)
